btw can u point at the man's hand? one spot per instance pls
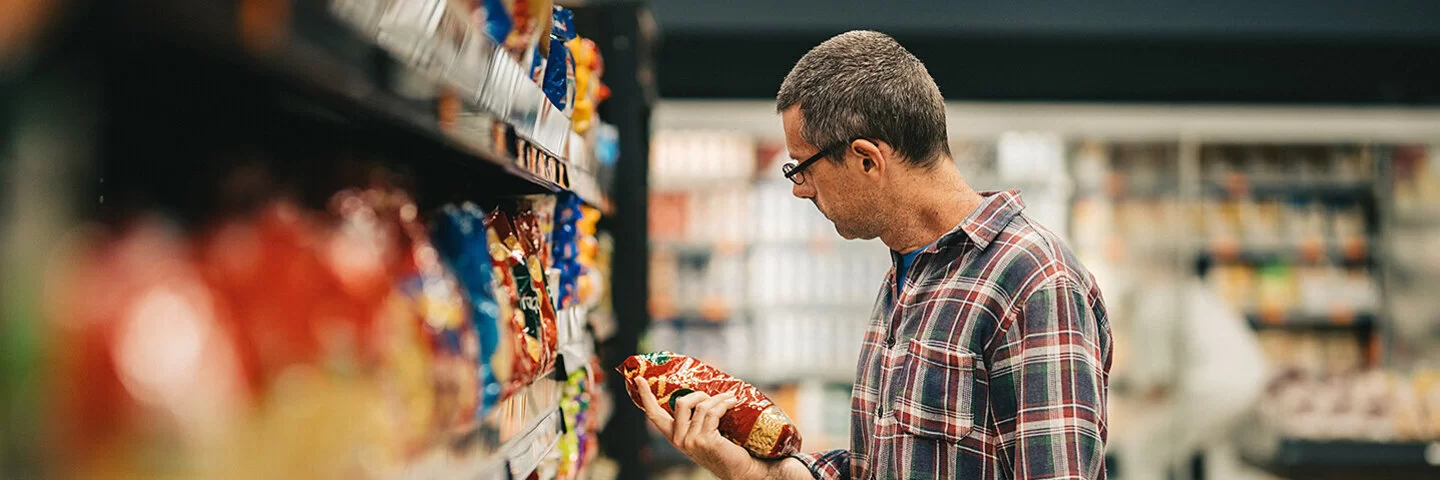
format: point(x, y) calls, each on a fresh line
point(695, 431)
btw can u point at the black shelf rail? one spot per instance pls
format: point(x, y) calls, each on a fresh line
point(1284, 255)
point(1344, 459)
point(1359, 321)
point(1323, 191)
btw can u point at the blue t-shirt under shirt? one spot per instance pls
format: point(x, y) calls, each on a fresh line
point(905, 260)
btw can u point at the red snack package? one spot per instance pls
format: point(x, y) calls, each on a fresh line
point(754, 423)
point(533, 323)
point(144, 358)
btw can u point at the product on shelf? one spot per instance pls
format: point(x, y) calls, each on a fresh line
point(462, 240)
point(431, 293)
point(139, 335)
point(754, 423)
point(494, 17)
point(589, 92)
point(565, 249)
point(591, 283)
point(528, 19)
point(559, 79)
point(534, 331)
point(578, 409)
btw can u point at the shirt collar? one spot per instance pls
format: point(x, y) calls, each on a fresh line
point(981, 227)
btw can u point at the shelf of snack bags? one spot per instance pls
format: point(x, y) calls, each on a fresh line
point(516, 67)
point(422, 66)
point(365, 340)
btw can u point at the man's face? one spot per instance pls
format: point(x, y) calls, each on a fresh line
point(841, 191)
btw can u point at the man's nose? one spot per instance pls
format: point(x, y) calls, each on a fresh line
point(804, 190)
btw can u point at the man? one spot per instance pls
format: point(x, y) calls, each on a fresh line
point(989, 354)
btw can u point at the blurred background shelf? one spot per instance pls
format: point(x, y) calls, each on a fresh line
point(1282, 255)
point(1310, 321)
point(1341, 192)
point(1335, 459)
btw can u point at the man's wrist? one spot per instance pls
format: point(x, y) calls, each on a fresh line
point(782, 468)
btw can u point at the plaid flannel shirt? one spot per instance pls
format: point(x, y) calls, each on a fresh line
point(992, 363)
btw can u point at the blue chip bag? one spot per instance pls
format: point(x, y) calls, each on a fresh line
point(565, 247)
point(558, 82)
point(460, 238)
point(497, 20)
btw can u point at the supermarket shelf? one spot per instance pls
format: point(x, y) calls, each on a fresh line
point(1304, 321)
point(523, 454)
point(440, 465)
point(604, 325)
point(506, 122)
point(1341, 192)
point(535, 409)
point(1285, 255)
point(693, 321)
point(1293, 458)
point(577, 346)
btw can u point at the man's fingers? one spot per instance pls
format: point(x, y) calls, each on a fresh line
point(706, 419)
point(657, 415)
point(684, 412)
point(721, 404)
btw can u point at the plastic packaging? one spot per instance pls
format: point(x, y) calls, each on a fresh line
point(565, 249)
point(755, 423)
point(461, 239)
point(559, 78)
point(533, 325)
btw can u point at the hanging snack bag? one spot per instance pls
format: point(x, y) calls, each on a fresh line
point(532, 246)
point(495, 16)
point(754, 423)
point(435, 297)
point(533, 326)
point(461, 238)
point(529, 21)
point(564, 247)
point(589, 92)
point(559, 79)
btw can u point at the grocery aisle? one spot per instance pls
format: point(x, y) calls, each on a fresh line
point(421, 239)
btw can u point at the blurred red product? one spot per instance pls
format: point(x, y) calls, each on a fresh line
point(145, 356)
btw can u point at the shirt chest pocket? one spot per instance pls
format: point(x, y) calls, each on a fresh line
point(943, 391)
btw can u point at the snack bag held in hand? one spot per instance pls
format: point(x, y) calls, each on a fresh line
point(754, 423)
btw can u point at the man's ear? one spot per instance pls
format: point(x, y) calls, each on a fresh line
point(874, 156)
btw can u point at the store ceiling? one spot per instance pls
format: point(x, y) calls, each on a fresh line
point(1224, 51)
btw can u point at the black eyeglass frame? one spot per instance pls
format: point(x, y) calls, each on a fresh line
point(792, 169)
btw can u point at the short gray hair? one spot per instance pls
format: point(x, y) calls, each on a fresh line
point(864, 84)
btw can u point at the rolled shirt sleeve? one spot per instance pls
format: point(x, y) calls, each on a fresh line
point(826, 465)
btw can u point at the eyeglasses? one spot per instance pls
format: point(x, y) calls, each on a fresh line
point(794, 171)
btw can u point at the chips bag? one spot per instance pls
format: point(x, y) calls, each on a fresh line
point(533, 323)
point(754, 423)
point(462, 241)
